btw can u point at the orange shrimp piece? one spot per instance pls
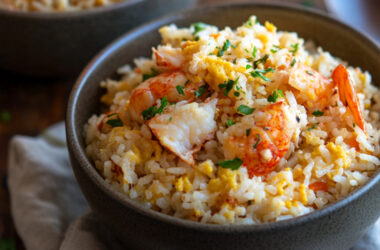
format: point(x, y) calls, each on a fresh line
point(267, 141)
point(155, 88)
point(315, 90)
point(168, 58)
point(319, 186)
point(347, 94)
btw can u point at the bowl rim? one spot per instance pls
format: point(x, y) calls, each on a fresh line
point(80, 156)
point(69, 14)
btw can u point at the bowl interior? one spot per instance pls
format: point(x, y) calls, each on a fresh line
point(341, 40)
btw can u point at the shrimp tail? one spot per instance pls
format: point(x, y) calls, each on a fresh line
point(348, 96)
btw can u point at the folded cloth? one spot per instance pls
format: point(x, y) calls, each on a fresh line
point(45, 199)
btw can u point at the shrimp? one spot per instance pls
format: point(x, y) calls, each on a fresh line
point(168, 58)
point(315, 90)
point(184, 127)
point(262, 145)
point(155, 88)
point(348, 96)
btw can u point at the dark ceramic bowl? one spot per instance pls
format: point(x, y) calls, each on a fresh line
point(61, 44)
point(337, 226)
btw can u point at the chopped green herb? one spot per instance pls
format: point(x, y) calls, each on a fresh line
point(112, 114)
point(187, 82)
point(353, 125)
point(237, 94)
point(248, 66)
point(115, 122)
point(220, 52)
point(250, 59)
point(275, 95)
point(211, 54)
point(234, 46)
point(247, 132)
point(230, 123)
point(226, 45)
point(227, 86)
point(234, 61)
point(180, 90)
point(231, 164)
point(198, 27)
point(308, 3)
point(249, 23)
point(313, 127)
point(196, 38)
point(254, 51)
point(275, 49)
point(259, 72)
point(184, 39)
point(152, 111)
point(170, 119)
point(257, 21)
point(246, 50)
point(201, 90)
point(309, 72)
point(261, 60)
point(245, 110)
point(317, 113)
point(293, 62)
point(295, 48)
point(257, 141)
point(5, 116)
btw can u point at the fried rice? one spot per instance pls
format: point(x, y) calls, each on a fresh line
point(246, 126)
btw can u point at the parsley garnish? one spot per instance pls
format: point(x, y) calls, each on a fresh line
point(293, 62)
point(187, 82)
point(170, 119)
point(226, 45)
point(254, 51)
point(115, 122)
point(317, 113)
point(313, 127)
point(309, 72)
point(257, 141)
point(245, 110)
point(249, 23)
point(152, 111)
point(247, 132)
point(237, 94)
point(230, 123)
point(196, 38)
point(201, 90)
point(198, 27)
point(261, 60)
point(227, 86)
point(275, 49)
point(246, 50)
point(248, 66)
point(180, 90)
point(234, 46)
point(295, 48)
point(257, 21)
point(234, 61)
point(276, 94)
point(259, 72)
point(231, 164)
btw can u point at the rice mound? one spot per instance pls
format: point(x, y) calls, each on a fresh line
point(210, 130)
point(54, 5)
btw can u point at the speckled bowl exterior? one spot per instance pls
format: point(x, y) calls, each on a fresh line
point(61, 44)
point(337, 226)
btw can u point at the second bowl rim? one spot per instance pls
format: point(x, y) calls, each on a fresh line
point(89, 169)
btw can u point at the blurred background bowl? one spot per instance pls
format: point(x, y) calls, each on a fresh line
point(337, 226)
point(60, 44)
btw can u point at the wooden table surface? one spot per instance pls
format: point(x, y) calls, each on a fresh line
point(27, 107)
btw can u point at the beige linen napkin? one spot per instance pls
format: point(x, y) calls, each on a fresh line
point(45, 199)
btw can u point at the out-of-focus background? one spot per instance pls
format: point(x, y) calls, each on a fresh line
point(29, 105)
